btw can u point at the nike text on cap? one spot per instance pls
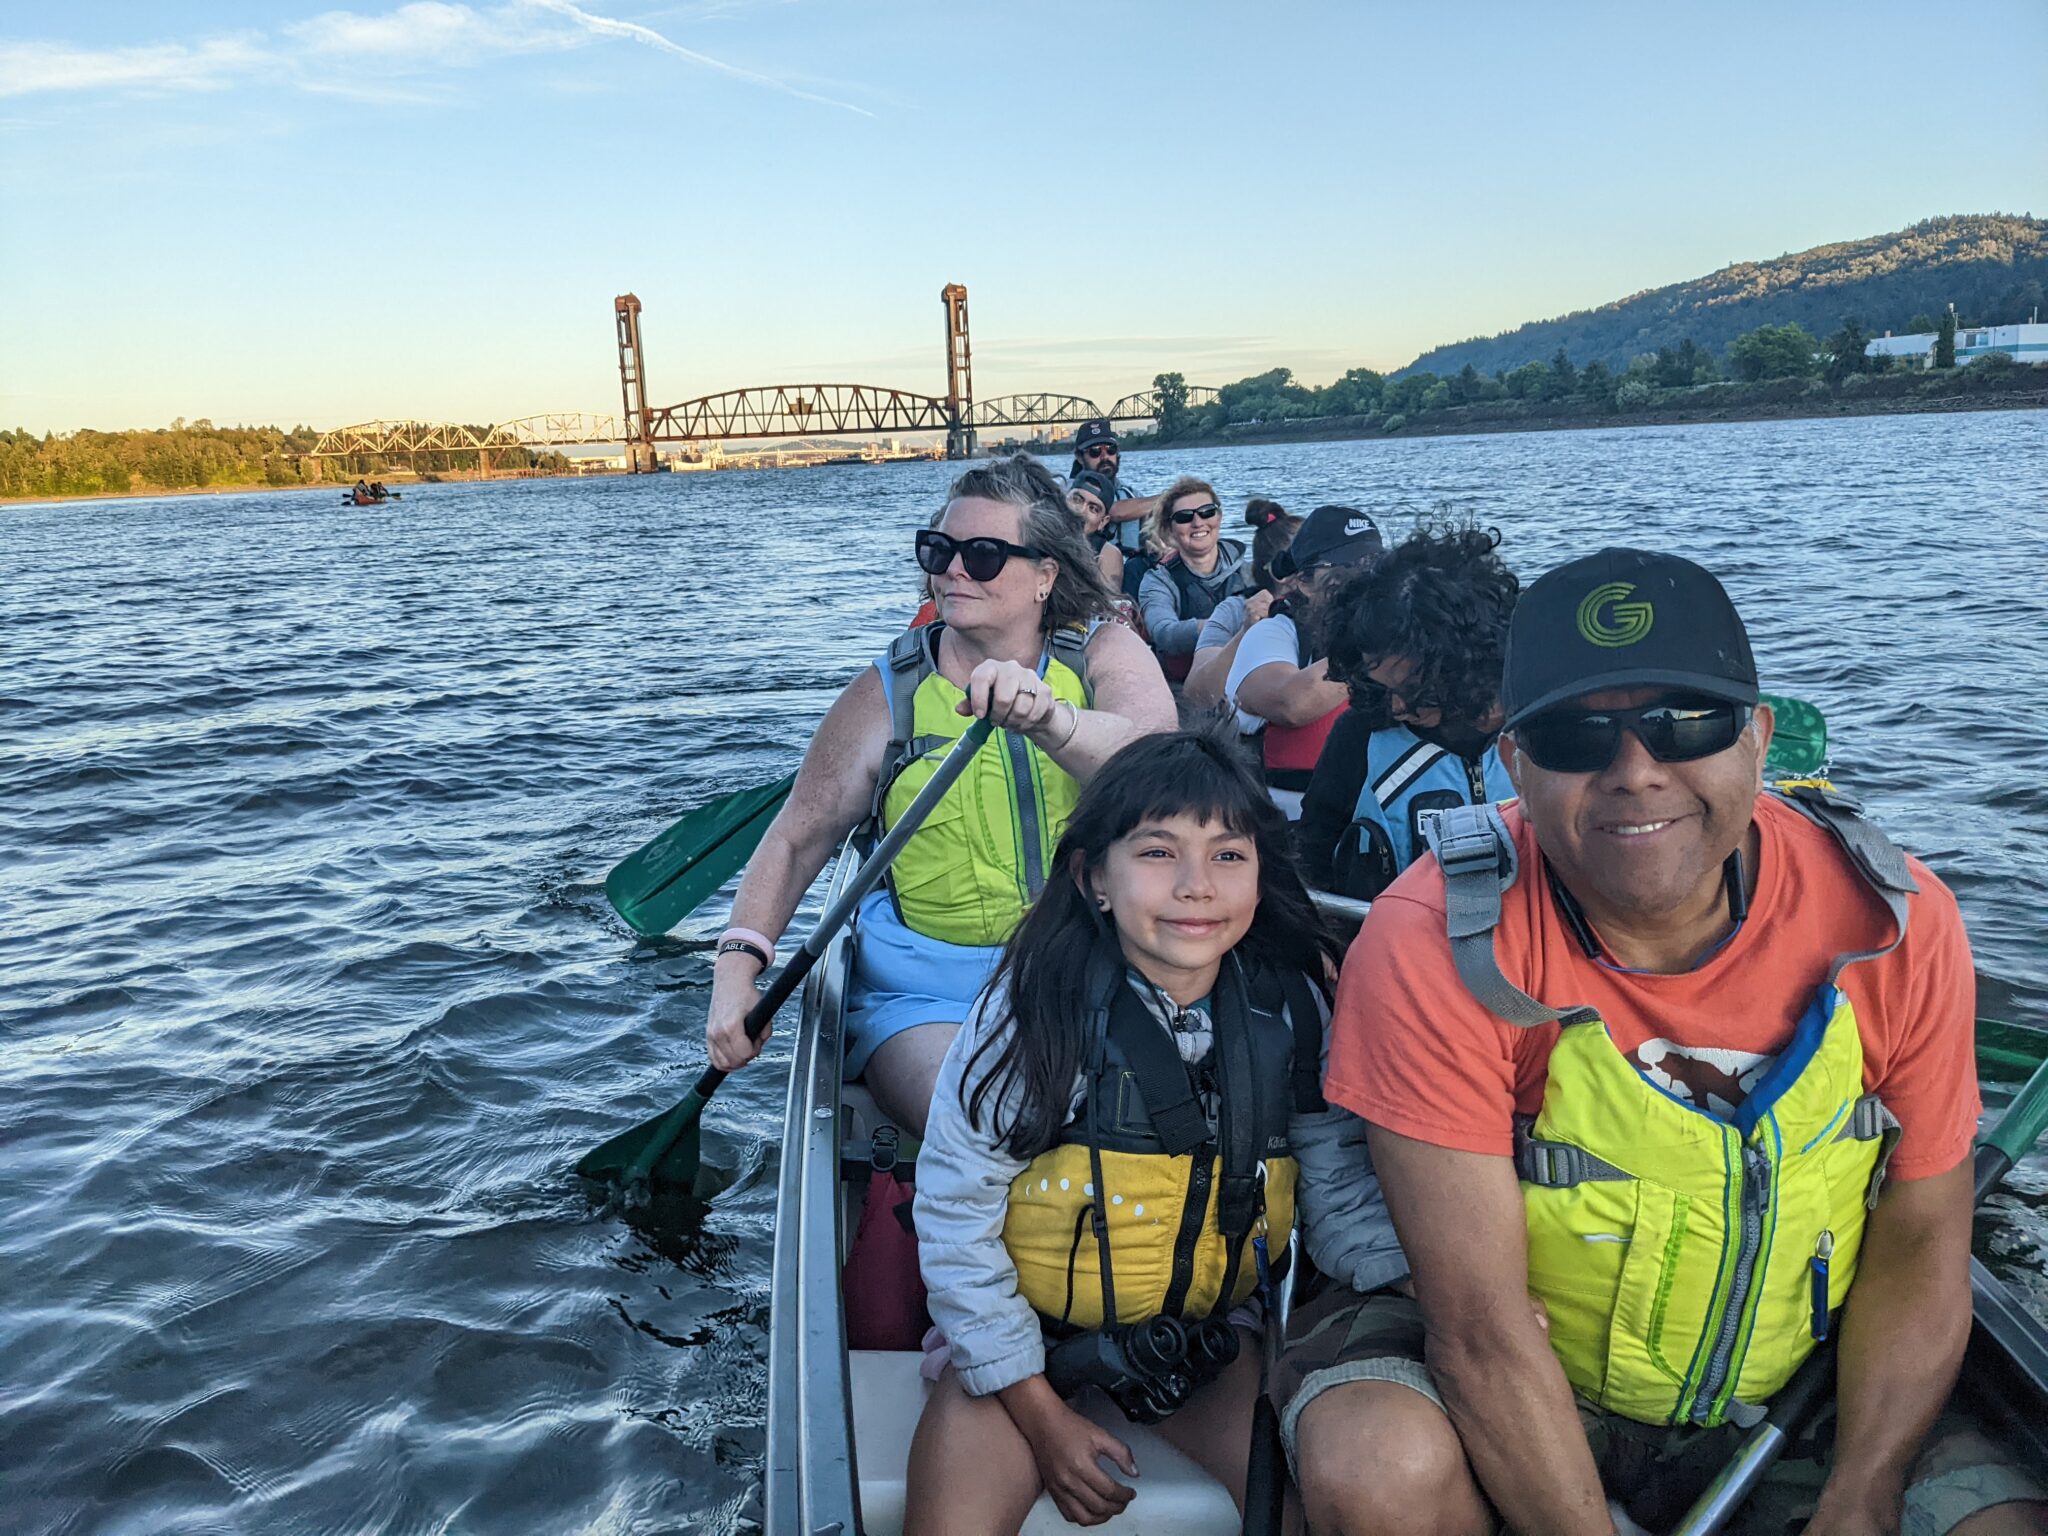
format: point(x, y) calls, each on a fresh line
point(1330, 536)
point(1624, 618)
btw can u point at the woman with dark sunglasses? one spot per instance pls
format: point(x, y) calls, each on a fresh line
point(1201, 571)
point(1020, 639)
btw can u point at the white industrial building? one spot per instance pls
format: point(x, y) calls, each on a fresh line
point(2023, 343)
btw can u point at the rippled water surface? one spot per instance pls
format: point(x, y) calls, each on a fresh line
point(309, 995)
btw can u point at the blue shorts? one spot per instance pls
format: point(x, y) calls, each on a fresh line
point(902, 979)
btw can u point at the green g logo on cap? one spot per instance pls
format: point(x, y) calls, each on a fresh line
point(1621, 623)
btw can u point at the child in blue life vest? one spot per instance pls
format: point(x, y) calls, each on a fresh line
point(1120, 1137)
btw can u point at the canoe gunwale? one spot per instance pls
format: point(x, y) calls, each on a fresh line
point(812, 1483)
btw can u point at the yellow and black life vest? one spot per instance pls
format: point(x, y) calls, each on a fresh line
point(1144, 1209)
point(1689, 1262)
point(980, 858)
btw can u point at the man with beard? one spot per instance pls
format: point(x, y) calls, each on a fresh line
point(1418, 640)
point(1096, 451)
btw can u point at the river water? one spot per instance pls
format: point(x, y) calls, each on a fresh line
point(309, 995)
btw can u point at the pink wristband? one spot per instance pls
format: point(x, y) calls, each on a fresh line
point(766, 944)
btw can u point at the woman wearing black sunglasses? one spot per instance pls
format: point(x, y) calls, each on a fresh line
point(1020, 639)
point(1205, 568)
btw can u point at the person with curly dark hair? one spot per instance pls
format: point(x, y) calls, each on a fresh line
point(1418, 640)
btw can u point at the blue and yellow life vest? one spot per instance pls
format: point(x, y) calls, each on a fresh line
point(980, 858)
point(1689, 1262)
point(1143, 1209)
point(1407, 778)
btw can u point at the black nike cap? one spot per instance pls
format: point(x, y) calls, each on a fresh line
point(1329, 536)
point(1624, 618)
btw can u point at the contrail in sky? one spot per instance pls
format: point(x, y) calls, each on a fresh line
point(610, 26)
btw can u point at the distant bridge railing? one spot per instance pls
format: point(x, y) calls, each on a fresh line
point(1032, 411)
point(798, 410)
point(1144, 406)
point(555, 429)
point(768, 411)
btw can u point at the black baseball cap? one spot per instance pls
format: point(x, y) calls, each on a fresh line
point(1624, 618)
point(1099, 484)
point(1092, 432)
point(1329, 536)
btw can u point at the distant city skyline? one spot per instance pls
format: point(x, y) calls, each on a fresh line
point(259, 213)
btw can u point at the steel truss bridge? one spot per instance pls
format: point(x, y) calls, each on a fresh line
point(763, 411)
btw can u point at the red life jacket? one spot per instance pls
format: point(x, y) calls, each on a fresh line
point(1290, 751)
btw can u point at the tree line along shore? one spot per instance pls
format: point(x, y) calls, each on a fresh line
point(1771, 371)
point(197, 455)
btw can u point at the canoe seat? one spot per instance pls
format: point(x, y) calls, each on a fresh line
point(1175, 1497)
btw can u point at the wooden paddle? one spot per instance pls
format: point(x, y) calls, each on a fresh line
point(2015, 1134)
point(660, 884)
point(666, 1150)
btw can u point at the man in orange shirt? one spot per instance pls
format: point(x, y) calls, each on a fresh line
point(1679, 1061)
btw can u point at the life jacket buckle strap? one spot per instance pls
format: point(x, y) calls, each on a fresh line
point(1870, 1120)
point(883, 1148)
point(1560, 1165)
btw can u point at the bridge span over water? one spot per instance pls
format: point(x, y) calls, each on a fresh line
point(761, 411)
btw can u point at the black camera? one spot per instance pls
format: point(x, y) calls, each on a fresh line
point(1148, 1369)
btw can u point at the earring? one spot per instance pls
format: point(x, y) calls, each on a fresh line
point(1102, 902)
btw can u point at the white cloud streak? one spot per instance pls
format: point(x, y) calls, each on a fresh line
point(418, 37)
point(606, 26)
point(27, 68)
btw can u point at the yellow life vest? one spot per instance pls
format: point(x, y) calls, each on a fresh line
point(980, 858)
point(1142, 1210)
point(1688, 1262)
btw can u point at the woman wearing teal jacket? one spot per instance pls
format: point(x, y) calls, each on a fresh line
point(1020, 639)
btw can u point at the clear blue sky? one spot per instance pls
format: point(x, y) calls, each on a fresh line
point(273, 212)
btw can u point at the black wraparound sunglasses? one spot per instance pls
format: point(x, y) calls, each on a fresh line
point(1675, 730)
point(981, 559)
point(1189, 514)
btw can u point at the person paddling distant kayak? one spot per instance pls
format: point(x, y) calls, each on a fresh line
point(1021, 639)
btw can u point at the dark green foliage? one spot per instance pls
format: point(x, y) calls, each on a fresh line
point(1945, 341)
point(1173, 404)
point(1992, 267)
point(1845, 351)
point(189, 455)
point(1774, 352)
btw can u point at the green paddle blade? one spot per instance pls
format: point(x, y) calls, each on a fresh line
point(661, 884)
point(1799, 743)
point(2024, 1119)
point(678, 1168)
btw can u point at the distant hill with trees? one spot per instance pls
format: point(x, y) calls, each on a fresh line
point(1992, 267)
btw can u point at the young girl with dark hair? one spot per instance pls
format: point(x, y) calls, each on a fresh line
point(1119, 1140)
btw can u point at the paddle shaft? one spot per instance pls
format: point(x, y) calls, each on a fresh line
point(1810, 1385)
point(678, 1119)
point(1265, 1485)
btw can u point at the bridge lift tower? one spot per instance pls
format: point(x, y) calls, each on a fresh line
point(959, 375)
point(640, 458)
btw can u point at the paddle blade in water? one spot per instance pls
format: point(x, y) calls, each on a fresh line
point(661, 884)
point(676, 1171)
point(1799, 741)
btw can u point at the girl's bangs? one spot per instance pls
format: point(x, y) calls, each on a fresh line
point(1199, 786)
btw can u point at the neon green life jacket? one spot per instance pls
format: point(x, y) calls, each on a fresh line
point(980, 858)
point(1688, 1262)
